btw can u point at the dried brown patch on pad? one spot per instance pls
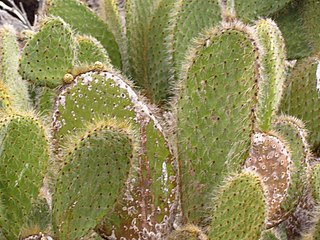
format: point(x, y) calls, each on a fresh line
point(270, 159)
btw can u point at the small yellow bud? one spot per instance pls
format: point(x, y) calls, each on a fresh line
point(68, 78)
point(98, 66)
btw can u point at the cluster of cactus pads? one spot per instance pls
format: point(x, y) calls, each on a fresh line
point(162, 119)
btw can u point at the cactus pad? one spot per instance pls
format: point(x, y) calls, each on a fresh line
point(92, 179)
point(49, 54)
point(248, 10)
point(311, 18)
point(85, 21)
point(23, 158)
point(273, 61)
point(291, 25)
point(315, 183)
point(215, 106)
point(192, 18)
point(271, 160)
point(294, 134)
point(90, 51)
point(9, 69)
point(302, 89)
point(239, 209)
point(107, 95)
point(5, 102)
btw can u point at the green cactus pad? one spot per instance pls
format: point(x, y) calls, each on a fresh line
point(291, 25)
point(294, 134)
point(215, 106)
point(271, 160)
point(92, 179)
point(192, 18)
point(9, 69)
point(302, 89)
point(273, 61)
point(188, 232)
point(49, 54)
point(23, 157)
point(90, 51)
point(315, 183)
point(148, 37)
point(248, 10)
point(106, 95)
point(311, 18)
point(84, 21)
point(159, 53)
point(239, 209)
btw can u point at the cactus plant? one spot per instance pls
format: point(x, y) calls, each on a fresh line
point(166, 120)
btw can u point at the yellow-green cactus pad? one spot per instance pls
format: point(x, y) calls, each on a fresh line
point(9, 69)
point(109, 12)
point(84, 21)
point(39, 218)
point(215, 111)
point(23, 158)
point(49, 54)
point(273, 74)
point(45, 100)
point(239, 209)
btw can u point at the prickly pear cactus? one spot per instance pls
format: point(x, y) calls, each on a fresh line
point(202, 143)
